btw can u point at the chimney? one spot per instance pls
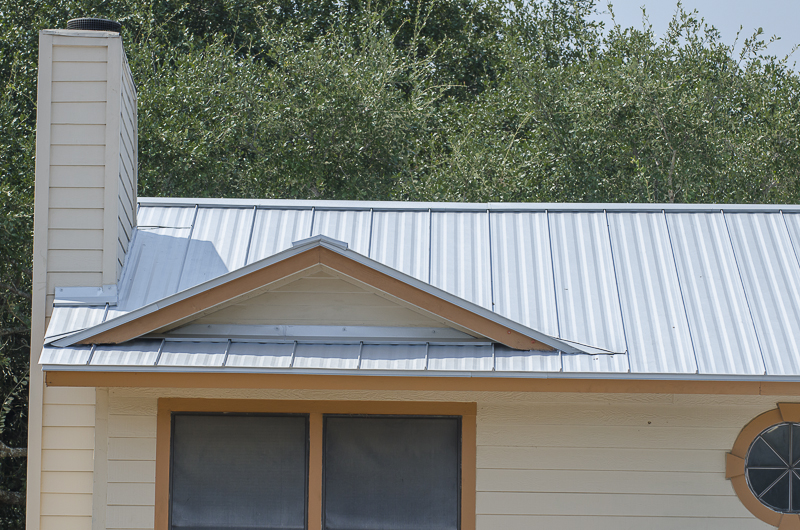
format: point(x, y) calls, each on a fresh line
point(85, 201)
point(86, 160)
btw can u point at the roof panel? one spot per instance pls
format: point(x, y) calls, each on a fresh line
point(582, 363)
point(522, 270)
point(336, 356)
point(722, 330)
point(656, 327)
point(186, 353)
point(218, 244)
point(134, 353)
point(451, 357)
point(393, 356)
point(401, 240)
point(771, 277)
point(585, 284)
point(508, 360)
point(75, 355)
point(460, 255)
point(275, 230)
point(155, 260)
point(66, 319)
point(260, 355)
point(350, 226)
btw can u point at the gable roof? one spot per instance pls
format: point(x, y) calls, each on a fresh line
point(304, 255)
point(679, 289)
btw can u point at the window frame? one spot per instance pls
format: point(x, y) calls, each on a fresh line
point(735, 464)
point(315, 411)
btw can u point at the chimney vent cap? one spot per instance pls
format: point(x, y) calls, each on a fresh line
point(94, 24)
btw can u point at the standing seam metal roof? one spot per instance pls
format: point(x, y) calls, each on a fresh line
point(682, 289)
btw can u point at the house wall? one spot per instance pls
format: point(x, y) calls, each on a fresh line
point(545, 460)
point(67, 458)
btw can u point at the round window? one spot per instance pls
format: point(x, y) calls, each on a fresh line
point(772, 467)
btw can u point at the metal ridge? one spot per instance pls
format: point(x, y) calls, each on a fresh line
point(461, 206)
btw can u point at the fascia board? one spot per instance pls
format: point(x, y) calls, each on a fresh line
point(607, 376)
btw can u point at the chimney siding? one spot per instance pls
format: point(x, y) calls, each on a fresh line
point(86, 160)
point(84, 214)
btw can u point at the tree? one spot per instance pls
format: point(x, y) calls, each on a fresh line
point(466, 100)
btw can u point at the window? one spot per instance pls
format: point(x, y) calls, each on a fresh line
point(391, 473)
point(764, 466)
point(771, 467)
point(239, 471)
point(316, 465)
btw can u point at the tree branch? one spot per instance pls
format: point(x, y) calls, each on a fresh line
point(12, 452)
point(14, 290)
point(11, 497)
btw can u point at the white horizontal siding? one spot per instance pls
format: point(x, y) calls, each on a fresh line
point(77, 176)
point(79, 91)
point(83, 54)
point(131, 463)
point(68, 419)
point(70, 198)
point(78, 113)
point(543, 461)
point(79, 71)
point(78, 134)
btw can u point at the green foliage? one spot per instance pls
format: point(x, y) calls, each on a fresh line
point(467, 100)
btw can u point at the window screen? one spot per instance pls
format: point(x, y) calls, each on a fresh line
point(238, 472)
point(391, 473)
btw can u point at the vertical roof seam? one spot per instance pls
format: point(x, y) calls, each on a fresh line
point(91, 355)
point(227, 351)
point(491, 262)
point(313, 216)
point(252, 233)
point(371, 223)
point(291, 357)
point(186, 251)
point(430, 247)
point(553, 274)
point(616, 286)
point(791, 239)
point(744, 290)
point(683, 299)
point(160, 350)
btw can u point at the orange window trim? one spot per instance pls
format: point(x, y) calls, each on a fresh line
point(315, 410)
point(734, 465)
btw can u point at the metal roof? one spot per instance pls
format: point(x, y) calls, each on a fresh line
point(306, 356)
point(685, 290)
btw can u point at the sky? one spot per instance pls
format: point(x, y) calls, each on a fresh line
point(776, 17)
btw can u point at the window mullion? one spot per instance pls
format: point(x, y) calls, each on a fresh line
point(315, 471)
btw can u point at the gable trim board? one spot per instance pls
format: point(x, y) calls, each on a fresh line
point(315, 410)
point(320, 250)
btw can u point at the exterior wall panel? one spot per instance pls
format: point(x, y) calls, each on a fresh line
point(67, 459)
point(556, 461)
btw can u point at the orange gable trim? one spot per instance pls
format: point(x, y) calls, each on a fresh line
point(220, 294)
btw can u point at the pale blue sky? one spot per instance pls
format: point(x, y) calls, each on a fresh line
point(778, 17)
